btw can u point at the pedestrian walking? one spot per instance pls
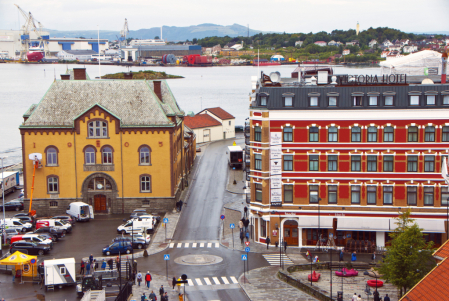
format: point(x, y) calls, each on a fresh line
point(143, 297)
point(139, 278)
point(179, 285)
point(242, 237)
point(247, 236)
point(354, 256)
point(285, 246)
point(376, 296)
point(341, 255)
point(241, 225)
point(180, 205)
point(268, 242)
point(117, 264)
point(386, 298)
point(88, 268)
point(354, 298)
point(165, 298)
point(152, 296)
point(359, 298)
point(180, 297)
point(135, 266)
point(245, 212)
point(91, 259)
point(94, 265)
point(161, 291)
point(148, 279)
point(110, 263)
point(246, 224)
point(82, 267)
point(373, 258)
point(103, 264)
point(173, 282)
point(40, 270)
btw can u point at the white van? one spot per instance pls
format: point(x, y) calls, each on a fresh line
point(136, 226)
point(80, 211)
point(15, 223)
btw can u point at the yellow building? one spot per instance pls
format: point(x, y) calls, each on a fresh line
point(115, 144)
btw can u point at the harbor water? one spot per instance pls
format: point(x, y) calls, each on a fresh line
point(227, 87)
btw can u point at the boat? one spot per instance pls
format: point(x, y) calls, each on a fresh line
point(265, 62)
point(35, 54)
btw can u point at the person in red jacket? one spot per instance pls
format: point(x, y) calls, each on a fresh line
point(148, 279)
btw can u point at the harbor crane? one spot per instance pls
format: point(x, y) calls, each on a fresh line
point(123, 33)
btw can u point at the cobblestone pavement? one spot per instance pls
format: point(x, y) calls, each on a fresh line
point(351, 285)
point(262, 285)
point(156, 283)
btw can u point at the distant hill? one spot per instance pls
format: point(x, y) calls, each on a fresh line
point(170, 33)
point(433, 32)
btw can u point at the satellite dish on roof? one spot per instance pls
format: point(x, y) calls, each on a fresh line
point(275, 77)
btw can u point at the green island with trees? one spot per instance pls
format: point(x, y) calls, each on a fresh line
point(146, 74)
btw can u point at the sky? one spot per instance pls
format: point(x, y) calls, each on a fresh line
point(291, 16)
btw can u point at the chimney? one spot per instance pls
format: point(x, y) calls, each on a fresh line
point(65, 76)
point(79, 73)
point(157, 89)
point(128, 75)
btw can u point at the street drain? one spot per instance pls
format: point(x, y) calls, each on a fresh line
point(198, 259)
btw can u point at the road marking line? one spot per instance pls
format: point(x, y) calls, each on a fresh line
point(215, 279)
point(217, 245)
point(172, 245)
point(198, 280)
point(209, 245)
point(202, 245)
point(186, 245)
point(190, 282)
point(225, 280)
point(233, 279)
point(194, 245)
point(180, 245)
point(207, 281)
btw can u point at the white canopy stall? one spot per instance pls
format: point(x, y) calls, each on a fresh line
point(414, 64)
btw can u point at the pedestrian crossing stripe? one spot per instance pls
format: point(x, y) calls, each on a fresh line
point(273, 259)
point(205, 281)
point(194, 245)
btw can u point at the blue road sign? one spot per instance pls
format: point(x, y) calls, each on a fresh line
point(232, 226)
point(165, 220)
point(233, 168)
point(222, 216)
point(166, 256)
point(247, 249)
point(244, 257)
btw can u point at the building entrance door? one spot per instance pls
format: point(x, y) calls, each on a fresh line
point(291, 233)
point(206, 135)
point(100, 203)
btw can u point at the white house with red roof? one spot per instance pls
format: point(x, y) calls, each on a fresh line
point(211, 124)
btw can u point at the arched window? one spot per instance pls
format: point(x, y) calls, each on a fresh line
point(89, 155)
point(429, 134)
point(413, 134)
point(98, 129)
point(372, 134)
point(288, 134)
point(333, 134)
point(106, 155)
point(388, 134)
point(99, 183)
point(258, 133)
point(145, 183)
point(355, 134)
point(52, 184)
point(52, 156)
point(144, 155)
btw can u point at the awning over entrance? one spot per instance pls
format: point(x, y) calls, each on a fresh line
point(312, 222)
point(427, 225)
point(363, 224)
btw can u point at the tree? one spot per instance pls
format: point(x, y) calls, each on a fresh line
point(409, 258)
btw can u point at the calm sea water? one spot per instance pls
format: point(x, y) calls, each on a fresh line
point(228, 87)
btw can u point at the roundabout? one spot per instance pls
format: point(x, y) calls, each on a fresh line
point(198, 259)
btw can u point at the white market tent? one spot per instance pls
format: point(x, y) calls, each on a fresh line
point(414, 64)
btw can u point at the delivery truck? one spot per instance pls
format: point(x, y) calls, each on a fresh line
point(235, 156)
point(9, 181)
point(80, 211)
point(59, 272)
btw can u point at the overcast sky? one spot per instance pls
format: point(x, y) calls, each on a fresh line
point(290, 16)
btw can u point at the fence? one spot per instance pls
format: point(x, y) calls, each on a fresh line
point(125, 292)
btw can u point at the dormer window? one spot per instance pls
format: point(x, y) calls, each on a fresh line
point(288, 99)
point(98, 129)
point(263, 100)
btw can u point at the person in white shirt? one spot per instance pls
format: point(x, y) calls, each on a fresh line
point(354, 298)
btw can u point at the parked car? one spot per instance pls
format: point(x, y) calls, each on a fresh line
point(65, 218)
point(56, 233)
point(56, 223)
point(10, 233)
point(138, 212)
point(13, 205)
point(24, 219)
point(31, 237)
point(137, 243)
point(144, 236)
point(16, 224)
point(118, 247)
point(30, 248)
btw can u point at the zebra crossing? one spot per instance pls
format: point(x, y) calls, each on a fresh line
point(274, 259)
point(212, 283)
point(194, 245)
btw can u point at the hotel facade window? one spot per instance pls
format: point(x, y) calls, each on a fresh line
point(372, 163)
point(258, 134)
point(144, 155)
point(389, 100)
point(288, 101)
point(263, 100)
point(288, 162)
point(445, 136)
point(444, 195)
point(258, 192)
point(355, 162)
point(356, 134)
point(372, 134)
point(429, 134)
point(371, 195)
point(258, 162)
point(388, 195)
point(414, 100)
point(52, 156)
point(98, 129)
point(373, 100)
point(428, 196)
point(313, 194)
point(388, 163)
point(411, 195)
point(332, 101)
point(313, 134)
point(288, 193)
point(106, 153)
point(89, 155)
point(332, 194)
point(429, 163)
point(145, 183)
point(355, 194)
point(52, 184)
point(313, 101)
point(413, 134)
point(333, 134)
point(430, 100)
point(412, 163)
point(313, 162)
point(332, 163)
point(357, 100)
point(388, 134)
point(445, 99)
point(288, 134)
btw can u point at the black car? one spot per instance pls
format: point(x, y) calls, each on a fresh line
point(56, 233)
point(13, 205)
point(28, 248)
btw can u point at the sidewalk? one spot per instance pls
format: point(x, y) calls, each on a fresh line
point(157, 281)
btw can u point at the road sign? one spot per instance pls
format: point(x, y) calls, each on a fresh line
point(165, 220)
point(166, 256)
point(232, 226)
point(331, 235)
point(247, 249)
point(247, 243)
point(244, 257)
point(222, 216)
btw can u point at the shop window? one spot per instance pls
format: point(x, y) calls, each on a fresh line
point(332, 162)
point(371, 195)
point(444, 196)
point(414, 100)
point(413, 134)
point(388, 163)
point(411, 195)
point(355, 194)
point(258, 192)
point(313, 162)
point(445, 137)
point(288, 134)
point(388, 195)
point(429, 163)
point(313, 134)
point(106, 154)
point(356, 134)
point(98, 129)
point(257, 161)
point(144, 155)
point(372, 134)
point(89, 155)
point(388, 134)
point(313, 194)
point(288, 162)
point(145, 183)
point(258, 134)
point(428, 196)
point(412, 163)
point(429, 134)
point(355, 162)
point(333, 134)
point(52, 184)
point(332, 191)
point(288, 193)
point(52, 156)
point(372, 163)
